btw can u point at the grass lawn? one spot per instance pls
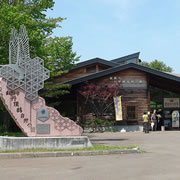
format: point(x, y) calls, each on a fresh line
point(95, 147)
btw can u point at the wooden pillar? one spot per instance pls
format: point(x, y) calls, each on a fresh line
point(97, 68)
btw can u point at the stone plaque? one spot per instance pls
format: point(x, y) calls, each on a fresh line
point(43, 128)
point(77, 142)
point(43, 115)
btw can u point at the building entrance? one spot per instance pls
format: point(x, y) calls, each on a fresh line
point(167, 105)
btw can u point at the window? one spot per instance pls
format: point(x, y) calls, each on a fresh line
point(131, 112)
point(91, 69)
point(132, 60)
point(101, 68)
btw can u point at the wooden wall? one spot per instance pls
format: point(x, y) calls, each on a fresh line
point(134, 92)
point(77, 73)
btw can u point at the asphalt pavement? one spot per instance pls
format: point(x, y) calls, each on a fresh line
point(161, 161)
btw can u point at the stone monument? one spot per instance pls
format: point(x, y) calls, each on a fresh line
point(20, 82)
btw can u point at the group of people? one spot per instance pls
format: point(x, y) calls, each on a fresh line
point(151, 122)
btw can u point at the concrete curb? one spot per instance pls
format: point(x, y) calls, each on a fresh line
point(64, 153)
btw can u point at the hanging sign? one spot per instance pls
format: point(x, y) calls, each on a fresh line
point(175, 119)
point(118, 108)
point(171, 102)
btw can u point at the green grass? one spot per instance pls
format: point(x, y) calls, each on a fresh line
point(95, 147)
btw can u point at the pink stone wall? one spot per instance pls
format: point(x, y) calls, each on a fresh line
point(24, 113)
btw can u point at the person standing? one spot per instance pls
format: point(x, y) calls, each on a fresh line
point(154, 120)
point(145, 122)
point(159, 121)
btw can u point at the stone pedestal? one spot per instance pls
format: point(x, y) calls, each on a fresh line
point(66, 142)
point(34, 118)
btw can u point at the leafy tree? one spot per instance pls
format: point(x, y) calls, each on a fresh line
point(156, 93)
point(99, 96)
point(60, 59)
point(31, 13)
point(158, 65)
point(98, 100)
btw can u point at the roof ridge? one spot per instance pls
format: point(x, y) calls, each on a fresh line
point(123, 67)
point(95, 60)
point(127, 57)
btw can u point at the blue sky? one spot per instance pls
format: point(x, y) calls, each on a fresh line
point(113, 28)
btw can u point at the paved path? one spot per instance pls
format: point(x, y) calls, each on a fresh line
point(161, 162)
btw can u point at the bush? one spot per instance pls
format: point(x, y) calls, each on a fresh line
point(96, 124)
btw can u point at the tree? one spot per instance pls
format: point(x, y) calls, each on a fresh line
point(99, 96)
point(156, 93)
point(60, 56)
point(60, 59)
point(158, 65)
point(31, 13)
point(99, 100)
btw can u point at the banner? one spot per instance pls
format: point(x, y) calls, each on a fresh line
point(118, 108)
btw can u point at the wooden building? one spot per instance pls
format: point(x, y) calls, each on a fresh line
point(142, 89)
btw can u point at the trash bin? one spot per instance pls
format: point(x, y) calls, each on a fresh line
point(162, 128)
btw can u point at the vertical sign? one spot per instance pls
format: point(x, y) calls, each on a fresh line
point(118, 108)
point(175, 119)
